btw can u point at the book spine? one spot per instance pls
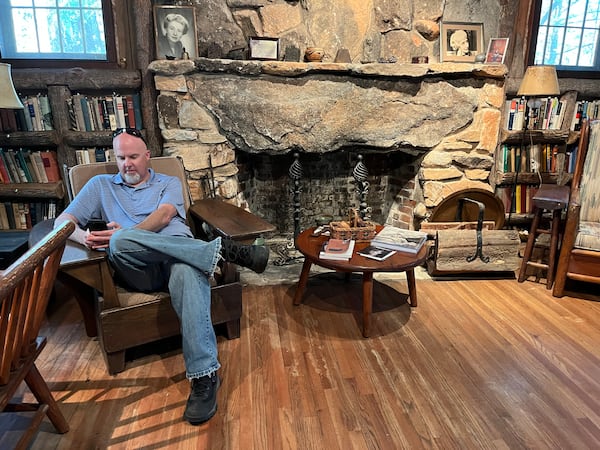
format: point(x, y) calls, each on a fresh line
point(23, 164)
point(51, 166)
point(130, 111)
point(37, 161)
point(46, 113)
point(119, 112)
point(137, 110)
point(6, 177)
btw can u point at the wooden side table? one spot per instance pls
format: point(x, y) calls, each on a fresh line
point(310, 246)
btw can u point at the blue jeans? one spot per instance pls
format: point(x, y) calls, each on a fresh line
point(149, 261)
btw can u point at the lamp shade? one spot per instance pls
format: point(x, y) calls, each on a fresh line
point(8, 96)
point(539, 81)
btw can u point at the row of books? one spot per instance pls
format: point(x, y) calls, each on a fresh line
point(24, 215)
point(542, 114)
point(96, 154)
point(585, 109)
point(537, 158)
point(385, 243)
point(35, 116)
point(95, 113)
point(523, 198)
point(26, 166)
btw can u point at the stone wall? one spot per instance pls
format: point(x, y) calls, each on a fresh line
point(371, 30)
point(446, 116)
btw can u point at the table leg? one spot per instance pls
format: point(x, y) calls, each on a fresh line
point(367, 302)
point(412, 287)
point(302, 282)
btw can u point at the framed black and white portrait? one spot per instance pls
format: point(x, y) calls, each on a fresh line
point(175, 32)
point(460, 42)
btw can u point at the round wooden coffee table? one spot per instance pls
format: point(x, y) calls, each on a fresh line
point(310, 246)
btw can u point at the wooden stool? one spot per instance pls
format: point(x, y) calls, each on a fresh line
point(549, 197)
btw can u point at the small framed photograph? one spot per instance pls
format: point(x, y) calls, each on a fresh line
point(496, 51)
point(263, 48)
point(175, 32)
point(460, 41)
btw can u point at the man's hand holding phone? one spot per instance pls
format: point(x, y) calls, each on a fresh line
point(99, 234)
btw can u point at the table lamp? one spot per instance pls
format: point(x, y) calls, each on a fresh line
point(538, 81)
point(8, 96)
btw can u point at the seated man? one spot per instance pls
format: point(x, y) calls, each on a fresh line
point(150, 247)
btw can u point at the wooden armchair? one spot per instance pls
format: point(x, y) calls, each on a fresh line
point(126, 319)
point(580, 251)
point(25, 287)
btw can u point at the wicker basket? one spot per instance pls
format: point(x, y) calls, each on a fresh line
point(355, 228)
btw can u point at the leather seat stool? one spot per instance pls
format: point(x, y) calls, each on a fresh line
point(549, 198)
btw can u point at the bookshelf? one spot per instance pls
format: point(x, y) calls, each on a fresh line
point(60, 86)
point(542, 153)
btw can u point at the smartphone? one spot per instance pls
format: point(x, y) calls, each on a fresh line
point(97, 225)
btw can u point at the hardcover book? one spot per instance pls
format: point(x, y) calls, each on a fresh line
point(394, 238)
point(337, 249)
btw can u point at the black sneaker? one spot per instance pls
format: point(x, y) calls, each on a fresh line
point(202, 402)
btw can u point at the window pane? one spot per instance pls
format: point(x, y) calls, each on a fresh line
point(68, 3)
point(545, 13)
point(94, 41)
point(27, 37)
point(558, 15)
point(44, 3)
point(571, 50)
point(577, 13)
point(588, 48)
point(20, 3)
point(539, 51)
point(553, 46)
point(72, 33)
point(592, 19)
point(91, 4)
point(47, 27)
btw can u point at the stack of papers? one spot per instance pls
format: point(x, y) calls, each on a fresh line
point(337, 249)
point(394, 238)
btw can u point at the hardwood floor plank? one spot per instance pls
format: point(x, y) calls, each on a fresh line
point(478, 364)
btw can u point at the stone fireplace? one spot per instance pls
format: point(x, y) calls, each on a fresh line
point(424, 131)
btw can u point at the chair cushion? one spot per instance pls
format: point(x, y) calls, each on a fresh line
point(588, 236)
point(132, 298)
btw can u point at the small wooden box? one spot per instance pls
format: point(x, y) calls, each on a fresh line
point(363, 233)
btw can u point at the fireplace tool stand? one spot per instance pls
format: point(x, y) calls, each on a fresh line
point(283, 250)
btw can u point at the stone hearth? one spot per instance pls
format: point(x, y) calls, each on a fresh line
point(434, 126)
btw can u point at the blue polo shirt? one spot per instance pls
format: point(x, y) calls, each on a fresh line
point(107, 197)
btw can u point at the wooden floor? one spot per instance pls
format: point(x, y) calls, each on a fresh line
point(478, 364)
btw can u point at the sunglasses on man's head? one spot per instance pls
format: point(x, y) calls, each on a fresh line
point(131, 131)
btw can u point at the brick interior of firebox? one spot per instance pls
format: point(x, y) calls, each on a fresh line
point(328, 187)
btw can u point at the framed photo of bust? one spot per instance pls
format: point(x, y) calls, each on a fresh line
point(460, 42)
point(175, 32)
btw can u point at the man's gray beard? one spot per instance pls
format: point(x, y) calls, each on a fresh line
point(132, 179)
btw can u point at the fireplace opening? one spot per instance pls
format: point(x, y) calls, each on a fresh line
point(327, 186)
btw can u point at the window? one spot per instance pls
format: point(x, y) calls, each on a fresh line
point(568, 34)
point(53, 30)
